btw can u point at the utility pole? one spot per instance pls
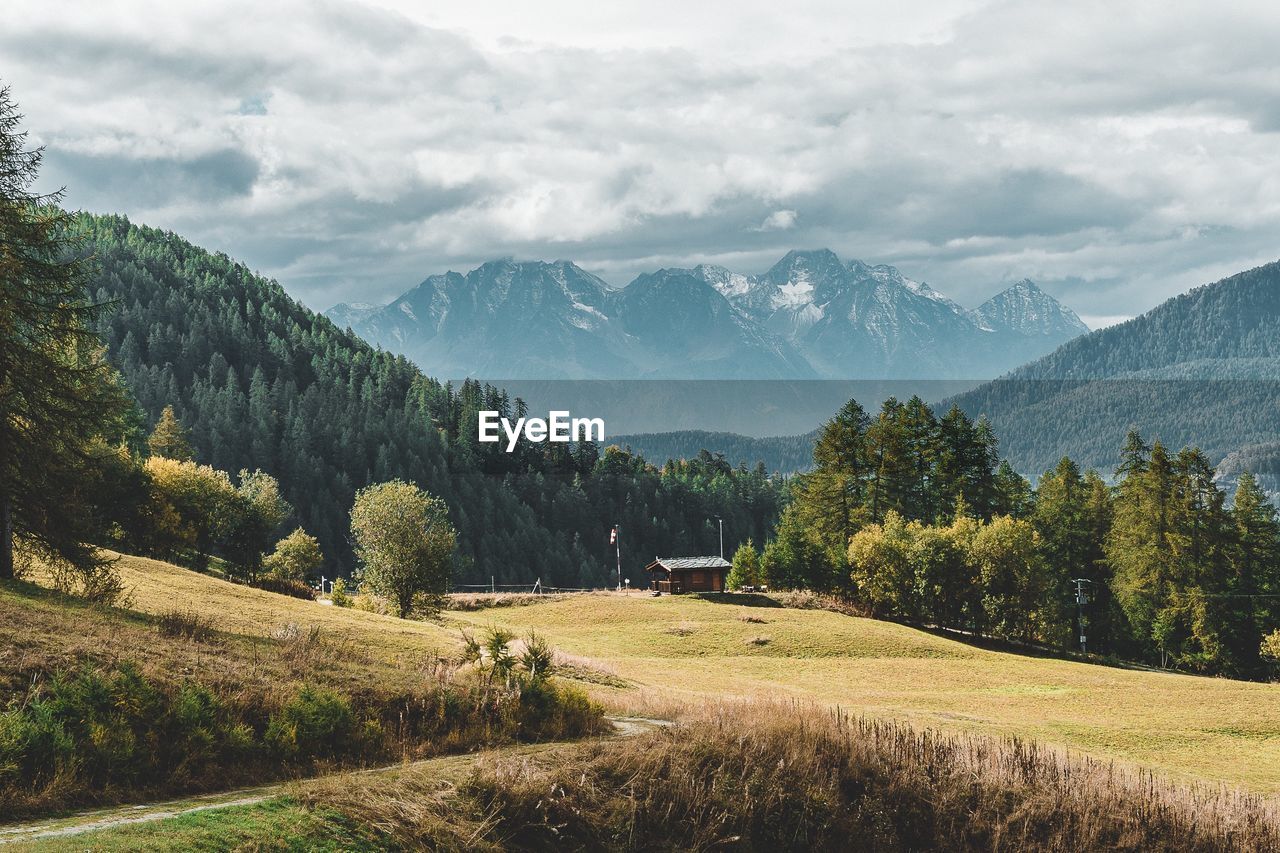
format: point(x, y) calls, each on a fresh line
point(617, 541)
point(1082, 598)
point(721, 520)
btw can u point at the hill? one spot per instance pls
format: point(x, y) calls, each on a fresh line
point(690, 649)
point(811, 315)
point(1198, 369)
point(200, 684)
point(264, 383)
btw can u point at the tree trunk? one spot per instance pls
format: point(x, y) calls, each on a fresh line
point(6, 538)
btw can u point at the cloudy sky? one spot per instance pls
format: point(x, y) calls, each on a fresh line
point(1117, 153)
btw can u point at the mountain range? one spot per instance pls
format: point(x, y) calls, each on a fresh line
point(1201, 369)
point(812, 315)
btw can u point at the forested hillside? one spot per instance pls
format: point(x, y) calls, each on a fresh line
point(263, 383)
point(784, 454)
point(1202, 368)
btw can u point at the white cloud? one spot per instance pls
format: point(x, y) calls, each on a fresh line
point(779, 220)
point(1118, 154)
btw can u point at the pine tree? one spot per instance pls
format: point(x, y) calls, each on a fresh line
point(1255, 572)
point(169, 439)
point(56, 392)
point(829, 500)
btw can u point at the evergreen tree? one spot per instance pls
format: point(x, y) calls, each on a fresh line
point(746, 567)
point(828, 501)
point(1255, 577)
point(56, 392)
point(892, 469)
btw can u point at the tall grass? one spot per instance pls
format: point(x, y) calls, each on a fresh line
point(782, 777)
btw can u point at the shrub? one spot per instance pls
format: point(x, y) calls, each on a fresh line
point(551, 711)
point(537, 657)
point(186, 624)
point(290, 587)
point(339, 595)
point(34, 748)
point(316, 722)
point(296, 556)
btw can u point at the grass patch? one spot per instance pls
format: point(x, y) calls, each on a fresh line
point(277, 824)
point(472, 601)
point(187, 625)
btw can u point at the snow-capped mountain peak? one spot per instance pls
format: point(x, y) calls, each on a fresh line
point(810, 314)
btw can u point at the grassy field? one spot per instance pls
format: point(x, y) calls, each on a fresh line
point(263, 642)
point(683, 648)
point(677, 648)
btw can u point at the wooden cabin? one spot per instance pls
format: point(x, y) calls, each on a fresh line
point(688, 574)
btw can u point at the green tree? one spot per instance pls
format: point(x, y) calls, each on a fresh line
point(946, 582)
point(1016, 588)
point(200, 498)
point(296, 556)
point(404, 542)
point(892, 468)
point(56, 392)
point(746, 567)
point(1255, 571)
point(169, 439)
point(794, 559)
point(829, 500)
point(879, 555)
point(257, 515)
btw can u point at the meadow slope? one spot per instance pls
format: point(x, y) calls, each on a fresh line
point(683, 648)
point(639, 652)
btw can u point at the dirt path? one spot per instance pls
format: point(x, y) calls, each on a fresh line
point(145, 813)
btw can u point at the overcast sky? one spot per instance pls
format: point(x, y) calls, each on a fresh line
point(1117, 153)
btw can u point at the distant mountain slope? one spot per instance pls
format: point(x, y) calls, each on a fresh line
point(680, 327)
point(811, 315)
point(502, 319)
point(1202, 368)
point(787, 454)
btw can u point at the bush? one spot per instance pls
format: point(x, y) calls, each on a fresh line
point(186, 624)
point(294, 588)
point(316, 722)
point(34, 748)
point(551, 711)
point(339, 595)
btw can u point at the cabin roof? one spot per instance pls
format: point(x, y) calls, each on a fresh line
point(674, 563)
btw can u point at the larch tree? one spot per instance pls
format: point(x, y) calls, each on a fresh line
point(56, 391)
point(169, 438)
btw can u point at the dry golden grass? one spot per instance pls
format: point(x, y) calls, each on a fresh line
point(248, 641)
point(772, 776)
point(1190, 727)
